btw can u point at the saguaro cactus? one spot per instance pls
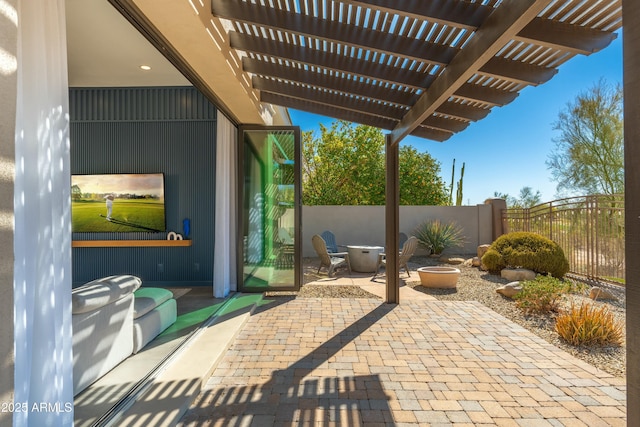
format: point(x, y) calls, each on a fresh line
point(459, 190)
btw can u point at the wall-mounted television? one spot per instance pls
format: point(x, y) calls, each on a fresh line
point(117, 203)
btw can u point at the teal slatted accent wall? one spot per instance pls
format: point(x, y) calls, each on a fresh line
point(148, 130)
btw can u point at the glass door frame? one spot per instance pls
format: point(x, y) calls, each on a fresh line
point(297, 206)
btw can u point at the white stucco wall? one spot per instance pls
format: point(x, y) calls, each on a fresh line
point(364, 225)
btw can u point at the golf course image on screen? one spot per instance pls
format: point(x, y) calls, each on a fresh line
point(117, 203)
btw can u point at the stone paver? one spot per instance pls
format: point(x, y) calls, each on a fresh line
point(324, 362)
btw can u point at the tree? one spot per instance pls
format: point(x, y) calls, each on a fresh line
point(345, 165)
point(420, 181)
point(527, 198)
point(589, 155)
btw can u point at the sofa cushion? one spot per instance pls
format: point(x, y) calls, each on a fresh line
point(101, 340)
point(149, 326)
point(149, 298)
point(101, 292)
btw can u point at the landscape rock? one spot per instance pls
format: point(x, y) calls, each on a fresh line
point(451, 260)
point(475, 261)
point(509, 290)
point(482, 249)
point(517, 274)
point(597, 293)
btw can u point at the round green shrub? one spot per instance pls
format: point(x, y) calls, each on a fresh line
point(527, 250)
point(493, 261)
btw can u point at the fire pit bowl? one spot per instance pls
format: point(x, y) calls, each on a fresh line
point(439, 277)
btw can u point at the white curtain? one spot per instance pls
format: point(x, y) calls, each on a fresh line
point(42, 246)
point(224, 263)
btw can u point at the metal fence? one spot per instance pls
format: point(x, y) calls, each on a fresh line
point(589, 229)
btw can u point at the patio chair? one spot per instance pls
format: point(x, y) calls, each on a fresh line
point(286, 258)
point(330, 239)
point(329, 260)
point(402, 238)
point(406, 252)
point(284, 236)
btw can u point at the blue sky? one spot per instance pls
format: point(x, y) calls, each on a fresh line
point(507, 150)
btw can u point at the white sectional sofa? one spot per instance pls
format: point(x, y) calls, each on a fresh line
point(154, 310)
point(106, 328)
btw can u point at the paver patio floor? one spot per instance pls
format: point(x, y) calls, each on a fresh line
point(349, 362)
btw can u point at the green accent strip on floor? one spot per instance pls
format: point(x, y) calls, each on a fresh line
point(240, 302)
point(193, 318)
point(237, 302)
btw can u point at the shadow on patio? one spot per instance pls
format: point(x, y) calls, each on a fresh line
point(358, 361)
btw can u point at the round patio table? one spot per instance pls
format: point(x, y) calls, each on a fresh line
point(364, 259)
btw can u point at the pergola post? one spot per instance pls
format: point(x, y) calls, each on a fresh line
point(392, 222)
point(631, 61)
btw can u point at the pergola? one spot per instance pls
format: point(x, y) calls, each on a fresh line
point(422, 68)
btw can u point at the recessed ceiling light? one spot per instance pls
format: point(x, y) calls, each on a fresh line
point(145, 67)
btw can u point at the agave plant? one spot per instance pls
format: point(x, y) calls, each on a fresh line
point(436, 236)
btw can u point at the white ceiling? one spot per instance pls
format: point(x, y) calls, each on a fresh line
point(104, 50)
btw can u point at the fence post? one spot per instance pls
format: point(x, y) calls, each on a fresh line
point(550, 220)
point(590, 238)
point(500, 226)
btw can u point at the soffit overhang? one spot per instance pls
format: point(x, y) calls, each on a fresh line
point(197, 45)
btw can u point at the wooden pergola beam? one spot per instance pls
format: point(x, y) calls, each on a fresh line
point(498, 29)
point(333, 31)
point(512, 70)
point(435, 128)
point(461, 14)
point(332, 61)
point(563, 36)
point(365, 88)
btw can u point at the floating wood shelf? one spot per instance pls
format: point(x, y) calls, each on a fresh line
point(127, 243)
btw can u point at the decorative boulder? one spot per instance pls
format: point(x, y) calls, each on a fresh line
point(475, 261)
point(598, 293)
point(451, 260)
point(509, 290)
point(517, 274)
point(482, 249)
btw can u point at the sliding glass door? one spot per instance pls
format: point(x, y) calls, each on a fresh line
point(270, 203)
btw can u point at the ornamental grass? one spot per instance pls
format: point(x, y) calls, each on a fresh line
point(588, 325)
